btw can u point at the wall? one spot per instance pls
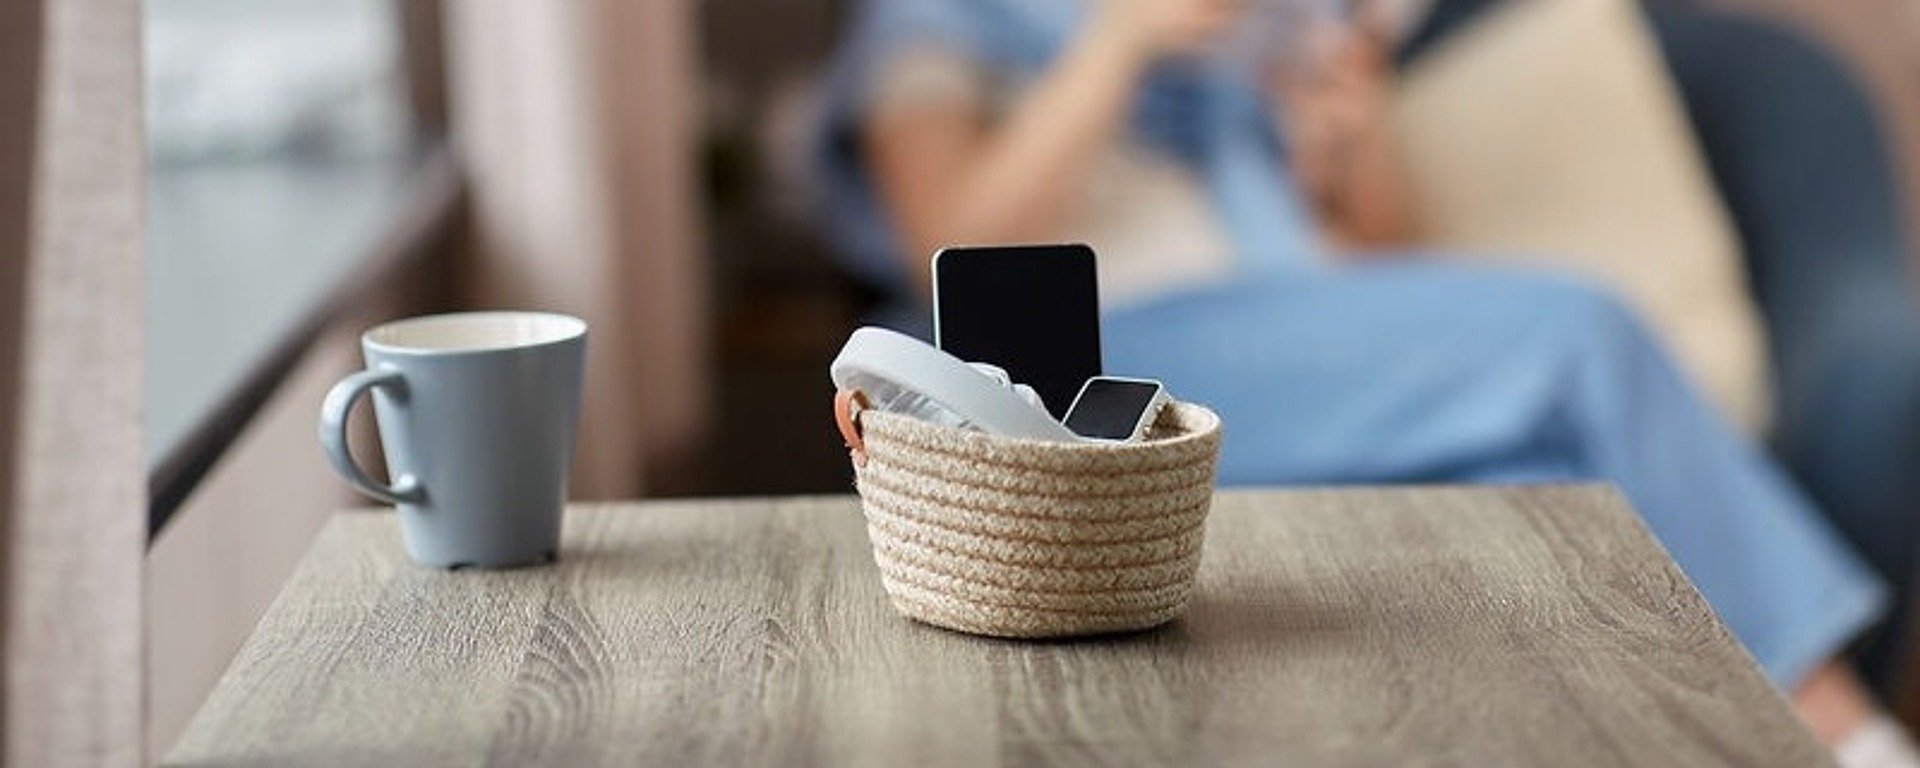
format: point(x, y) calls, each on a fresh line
point(217, 566)
point(574, 123)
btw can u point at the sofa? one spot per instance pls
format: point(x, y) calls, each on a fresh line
point(1802, 164)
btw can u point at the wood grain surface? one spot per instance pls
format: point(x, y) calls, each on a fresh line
point(1468, 627)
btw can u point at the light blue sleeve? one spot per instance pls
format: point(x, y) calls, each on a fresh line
point(1005, 37)
point(1213, 121)
point(855, 221)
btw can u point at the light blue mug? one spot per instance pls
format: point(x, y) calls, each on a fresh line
point(477, 414)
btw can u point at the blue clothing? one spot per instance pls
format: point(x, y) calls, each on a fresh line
point(1428, 372)
point(1409, 371)
point(1803, 162)
point(1203, 112)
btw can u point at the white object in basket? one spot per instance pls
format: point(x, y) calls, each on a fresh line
point(901, 374)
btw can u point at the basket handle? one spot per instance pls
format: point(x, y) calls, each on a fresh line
point(847, 405)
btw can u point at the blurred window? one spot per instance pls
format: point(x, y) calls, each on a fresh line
point(273, 80)
point(281, 148)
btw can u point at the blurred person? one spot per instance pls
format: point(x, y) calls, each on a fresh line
point(1145, 129)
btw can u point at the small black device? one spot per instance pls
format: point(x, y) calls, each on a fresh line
point(1033, 310)
point(1116, 409)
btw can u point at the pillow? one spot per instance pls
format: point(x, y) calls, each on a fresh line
point(1549, 133)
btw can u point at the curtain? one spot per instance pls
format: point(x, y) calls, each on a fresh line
point(71, 310)
point(574, 122)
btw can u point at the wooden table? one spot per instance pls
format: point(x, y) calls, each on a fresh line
point(1357, 627)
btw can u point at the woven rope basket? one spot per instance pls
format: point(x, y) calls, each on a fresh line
point(1017, 538)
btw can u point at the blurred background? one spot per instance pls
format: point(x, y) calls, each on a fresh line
point(318, 166)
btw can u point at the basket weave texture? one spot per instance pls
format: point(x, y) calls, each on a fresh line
point(1027, 539)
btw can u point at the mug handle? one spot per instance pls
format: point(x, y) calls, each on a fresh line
point(333, 437)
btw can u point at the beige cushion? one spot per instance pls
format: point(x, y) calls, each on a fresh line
point(1549, 133)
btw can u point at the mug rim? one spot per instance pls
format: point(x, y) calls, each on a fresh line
point(568, 328)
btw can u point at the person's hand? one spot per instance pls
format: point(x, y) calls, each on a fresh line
point(1154, 29)
point(1341, 73)
point(1337, 118)
point(1335, 90)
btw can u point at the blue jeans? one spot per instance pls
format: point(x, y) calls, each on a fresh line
point(1846, 350)
point(1423, 371)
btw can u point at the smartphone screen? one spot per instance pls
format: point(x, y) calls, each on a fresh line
point(1033, 310)
point(1111, 409)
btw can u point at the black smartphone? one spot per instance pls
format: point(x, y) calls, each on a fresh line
point(1033, 310)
